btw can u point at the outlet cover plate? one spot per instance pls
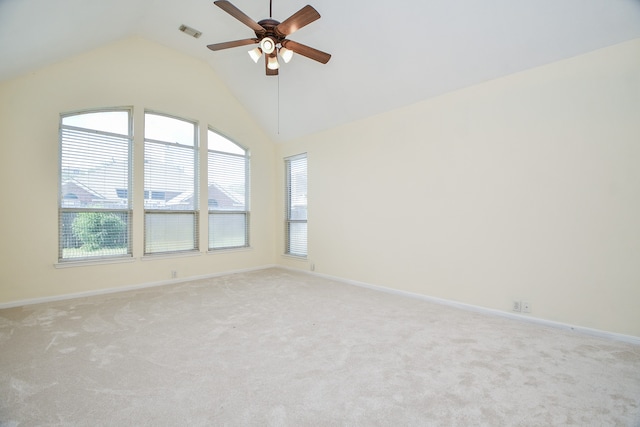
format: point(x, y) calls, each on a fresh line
point(517, 306)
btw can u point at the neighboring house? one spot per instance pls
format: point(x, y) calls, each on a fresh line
point(100, 187)
point(77, 194)
point(221, 199)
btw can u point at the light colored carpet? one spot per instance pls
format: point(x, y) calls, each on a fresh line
point(276, 347)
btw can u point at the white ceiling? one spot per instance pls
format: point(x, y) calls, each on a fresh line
point(385, 54)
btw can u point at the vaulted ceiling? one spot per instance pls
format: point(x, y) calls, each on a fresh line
point(385, 54)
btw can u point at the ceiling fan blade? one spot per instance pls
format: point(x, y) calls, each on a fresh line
point(309, 52)
point(239, 15)
point(235, 43)
point(303, 17)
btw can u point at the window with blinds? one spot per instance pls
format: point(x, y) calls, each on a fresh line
point(95, 185)
point(170, 184)
point(296, 205)
point(228, 194)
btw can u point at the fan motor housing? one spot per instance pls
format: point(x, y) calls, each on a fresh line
point(269, 26)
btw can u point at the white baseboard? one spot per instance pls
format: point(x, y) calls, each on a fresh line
point(63, 297)
point(580, 329)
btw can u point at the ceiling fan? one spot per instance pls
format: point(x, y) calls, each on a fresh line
point(271, 36)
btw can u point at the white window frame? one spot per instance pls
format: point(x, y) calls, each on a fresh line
point(221, 212)
point(127, 206)
point(290, 215)
point(149, 212)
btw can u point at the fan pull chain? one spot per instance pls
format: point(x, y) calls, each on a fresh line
point(270, 6)
point(278, 103)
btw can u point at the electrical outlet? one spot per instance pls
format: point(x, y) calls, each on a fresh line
point(517, 306)
point(526, 307)
point(174, 274)
point(312, 267)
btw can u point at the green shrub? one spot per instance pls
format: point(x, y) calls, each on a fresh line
point(97, 230)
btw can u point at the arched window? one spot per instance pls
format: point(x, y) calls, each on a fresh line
point(171, 202)
point(95, 153)
point(228, 182)
point(96, 186)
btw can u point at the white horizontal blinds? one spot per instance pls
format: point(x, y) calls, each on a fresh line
point(95, 185)
point(228, 170)
point(296, 224)
point(170, 196)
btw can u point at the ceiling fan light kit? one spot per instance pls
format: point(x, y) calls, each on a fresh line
point(271, 35)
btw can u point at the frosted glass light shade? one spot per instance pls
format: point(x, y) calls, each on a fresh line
point(267, 45)
point(286, 54)
point(255, 54)
point(272, 63)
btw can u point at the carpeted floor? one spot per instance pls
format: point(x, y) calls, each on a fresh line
point(275, 347)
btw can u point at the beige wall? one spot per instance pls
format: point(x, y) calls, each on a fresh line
point(526, 187)
point(137, 73)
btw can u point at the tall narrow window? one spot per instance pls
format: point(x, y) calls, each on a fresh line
point(296, 200)
point(95, 185)
point(228, 172)
point(170, 192)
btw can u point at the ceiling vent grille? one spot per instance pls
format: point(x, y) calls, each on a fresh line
point(190, 31)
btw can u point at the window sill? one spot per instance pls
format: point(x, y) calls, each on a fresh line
point(93, 262)
point(229, 250)
point(160, 256)
point(296, 257)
